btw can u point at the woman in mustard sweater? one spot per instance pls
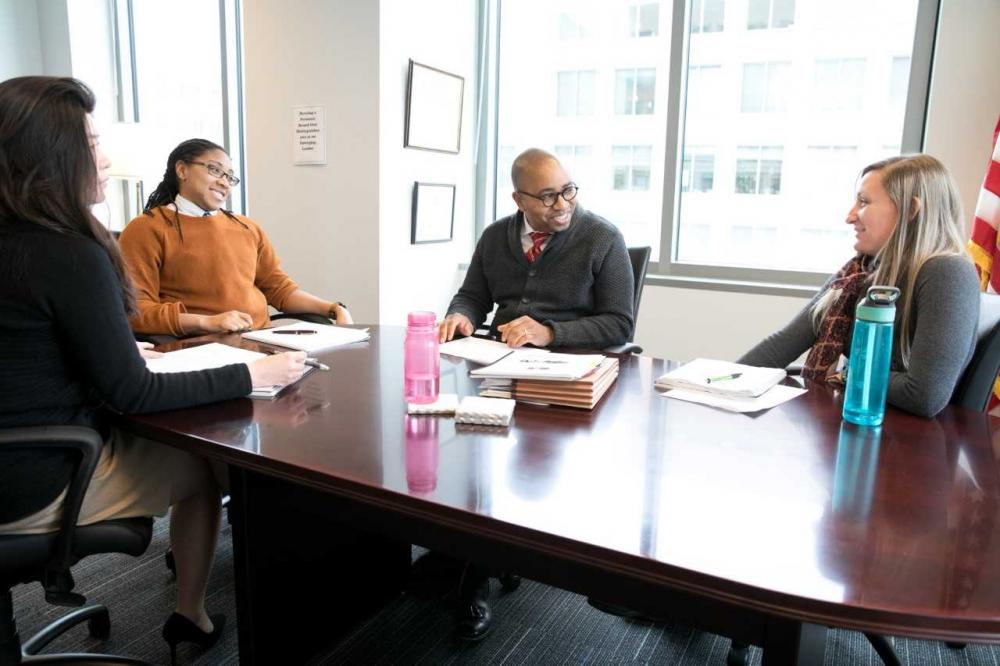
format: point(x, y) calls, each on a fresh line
point(199, 268)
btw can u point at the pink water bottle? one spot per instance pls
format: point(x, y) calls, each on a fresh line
point(421, 363)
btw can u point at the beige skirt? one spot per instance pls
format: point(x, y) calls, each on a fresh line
point(134, 477)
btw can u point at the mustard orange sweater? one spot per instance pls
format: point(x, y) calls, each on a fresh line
point(206, 266)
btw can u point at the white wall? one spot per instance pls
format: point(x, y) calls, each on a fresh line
point(323, 220)
point(964, 103)
point(422, 277)
point(20, 51)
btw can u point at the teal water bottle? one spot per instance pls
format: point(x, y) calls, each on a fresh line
point(871, 354)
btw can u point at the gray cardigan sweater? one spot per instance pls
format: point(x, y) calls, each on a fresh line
point(581, 285)
point(946, 312)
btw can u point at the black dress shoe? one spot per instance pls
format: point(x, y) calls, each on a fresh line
point(179, 629)
point(474, 620)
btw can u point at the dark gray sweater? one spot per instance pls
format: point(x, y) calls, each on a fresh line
point(943, 337)
point(581, 285)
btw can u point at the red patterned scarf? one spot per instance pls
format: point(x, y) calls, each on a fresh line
point(836, 325)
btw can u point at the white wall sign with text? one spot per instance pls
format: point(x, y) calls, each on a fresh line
point(308, 135)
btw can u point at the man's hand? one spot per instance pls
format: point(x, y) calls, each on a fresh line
point(525, 330)
point(453, 323)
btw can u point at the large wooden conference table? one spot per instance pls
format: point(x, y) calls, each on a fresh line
point(766, 528)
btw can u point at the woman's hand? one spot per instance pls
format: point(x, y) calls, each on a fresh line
point(226, 322)
point(146, 350)
point(278, 369)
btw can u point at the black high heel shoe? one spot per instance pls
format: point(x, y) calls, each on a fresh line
point(178, 629)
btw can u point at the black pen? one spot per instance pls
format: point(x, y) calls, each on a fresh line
point(295, 332)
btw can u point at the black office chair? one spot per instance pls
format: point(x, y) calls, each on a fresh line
point(972, 391)
point(639, 258)
point(47, 558)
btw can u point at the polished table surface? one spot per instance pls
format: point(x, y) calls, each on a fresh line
point(789, 512)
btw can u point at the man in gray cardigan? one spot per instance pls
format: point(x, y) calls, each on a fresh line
point(559, 274)
point(561, 277)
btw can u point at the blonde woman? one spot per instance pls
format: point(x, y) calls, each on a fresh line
point(907, 221)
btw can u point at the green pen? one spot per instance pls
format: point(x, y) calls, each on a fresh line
point(724, 378)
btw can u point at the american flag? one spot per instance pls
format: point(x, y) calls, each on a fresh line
point(983, 245)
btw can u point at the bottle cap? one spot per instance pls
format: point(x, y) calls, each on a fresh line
point(879, 305)
point(421, 319)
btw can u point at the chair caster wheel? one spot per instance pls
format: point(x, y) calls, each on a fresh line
point(99, 626)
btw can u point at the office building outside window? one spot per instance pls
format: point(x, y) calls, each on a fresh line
point(631, 167)
point(707, 16)
point(762, 14)
point(635, 91)
point(781, 103)
point(575, 93)
point(644, 19)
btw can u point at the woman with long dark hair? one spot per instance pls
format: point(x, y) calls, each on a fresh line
point(199, 268)
point(68, 354)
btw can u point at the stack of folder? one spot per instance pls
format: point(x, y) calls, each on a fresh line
point(584, 392)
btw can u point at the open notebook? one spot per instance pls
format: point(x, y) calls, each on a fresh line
point(308, 337)
point(212, 355)
point(721, 378)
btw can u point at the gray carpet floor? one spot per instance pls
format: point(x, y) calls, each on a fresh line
point(537, 624)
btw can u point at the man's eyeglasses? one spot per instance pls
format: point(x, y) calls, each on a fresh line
point(216, 171)
point(549, 198)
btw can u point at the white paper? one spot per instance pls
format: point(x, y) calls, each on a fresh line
point(695, 375)
point(212, 355)
point(531, 364)
point(308, 135)
point(324, 337)
point(771, 398)
point(477, 350)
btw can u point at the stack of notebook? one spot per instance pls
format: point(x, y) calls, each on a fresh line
point(583, 392)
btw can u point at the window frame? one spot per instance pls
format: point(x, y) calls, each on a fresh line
point(667, 271)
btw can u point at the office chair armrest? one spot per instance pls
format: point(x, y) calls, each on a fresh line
point(310, 317)
point(87, 443)
point(794, 370)
point(627, 348)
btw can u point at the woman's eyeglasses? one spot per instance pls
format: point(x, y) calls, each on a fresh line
point(216, 171)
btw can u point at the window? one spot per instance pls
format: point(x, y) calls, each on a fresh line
point(698, 169)
point(692, 135)
point(765, 87)
point(763, 14)
point(177, 94)
point(899, 79)
point(707, 16)
point(644, 19)
point(575, 93)
point(571, 28)
point(758, 170)
point(631, 167)
point(838, 84)
point(635, 91)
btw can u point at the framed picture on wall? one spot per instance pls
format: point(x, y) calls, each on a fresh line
point(433, 213)
point(433, 109)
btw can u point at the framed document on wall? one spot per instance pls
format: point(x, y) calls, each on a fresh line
point(433, 213)
point(433, 109)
